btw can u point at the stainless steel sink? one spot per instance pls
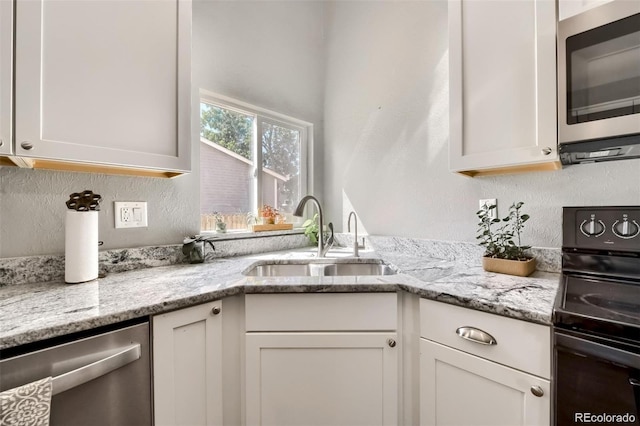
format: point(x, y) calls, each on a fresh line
point(318, 269)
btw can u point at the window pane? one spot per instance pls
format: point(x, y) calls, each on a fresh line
point(281, 166)
point(226, 165)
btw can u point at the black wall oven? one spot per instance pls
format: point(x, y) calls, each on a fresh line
point(599, 83)
point(597, 318)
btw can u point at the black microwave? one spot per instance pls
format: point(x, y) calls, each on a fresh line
point(599, 84)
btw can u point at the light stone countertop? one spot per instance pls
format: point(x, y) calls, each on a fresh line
point(32, 312)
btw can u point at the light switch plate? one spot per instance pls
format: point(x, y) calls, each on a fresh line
point(130, 214)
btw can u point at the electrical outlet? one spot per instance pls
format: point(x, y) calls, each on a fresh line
point(130, 214)
point(125, 214)
point(493, 213)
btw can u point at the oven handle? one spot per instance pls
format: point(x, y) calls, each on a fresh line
point(598, 350)
point(84, 374)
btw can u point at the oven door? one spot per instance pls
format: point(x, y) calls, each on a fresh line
point(599, 73)
point(596, 381)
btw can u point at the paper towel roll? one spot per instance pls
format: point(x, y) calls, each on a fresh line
point(81, 246)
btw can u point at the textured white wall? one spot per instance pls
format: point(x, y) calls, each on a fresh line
point(386, 136)
point(266, 53)
point(33, 209)
point(384, 76)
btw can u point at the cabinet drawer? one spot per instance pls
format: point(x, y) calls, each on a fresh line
point(519, 344)
point(321, 312)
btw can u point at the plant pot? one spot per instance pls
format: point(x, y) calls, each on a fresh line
point(221, 227)
point(521, 268)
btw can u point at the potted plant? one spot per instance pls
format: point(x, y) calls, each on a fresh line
point(221, 225)
point(311, 228)
point(251, 220)
point(502, 253)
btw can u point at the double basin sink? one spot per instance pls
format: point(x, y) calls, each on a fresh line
point(316, 268)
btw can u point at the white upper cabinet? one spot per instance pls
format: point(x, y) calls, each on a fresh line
point(104, 82)
point(502, 71)
point(6, 75)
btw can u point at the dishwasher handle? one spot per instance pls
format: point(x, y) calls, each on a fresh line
point(82, 375)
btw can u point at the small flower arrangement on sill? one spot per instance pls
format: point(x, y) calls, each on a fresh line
point(268, 214)
point(502, 254)
point(270, 220)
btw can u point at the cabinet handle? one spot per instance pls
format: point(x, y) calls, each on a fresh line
point(546, 151)
point(1, 142)
point(634, 382)
point(215, 310)
point(537, 391)
point(391, 343)
point(476, 335)
point(27, 146)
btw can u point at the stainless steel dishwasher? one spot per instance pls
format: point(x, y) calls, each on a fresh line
point(101, 379)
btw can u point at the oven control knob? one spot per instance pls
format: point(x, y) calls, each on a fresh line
point(592, 227)
point(625, 228)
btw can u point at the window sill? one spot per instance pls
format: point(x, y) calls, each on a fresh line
point(243, 234)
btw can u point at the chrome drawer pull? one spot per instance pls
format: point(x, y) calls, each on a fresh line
point(476, 335)
point(634, 382)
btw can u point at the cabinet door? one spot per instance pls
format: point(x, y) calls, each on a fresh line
point(104, 82)
point(502, 73)
point(321, 379)
point(187, 366)
point(6, 75)
point(461, 389)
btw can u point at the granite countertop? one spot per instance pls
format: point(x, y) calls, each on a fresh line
point(32, 312)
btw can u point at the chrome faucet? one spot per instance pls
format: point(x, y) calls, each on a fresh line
point(323, 247)
point(356, 246)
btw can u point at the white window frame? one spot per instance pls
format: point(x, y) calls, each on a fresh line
point(263, 115)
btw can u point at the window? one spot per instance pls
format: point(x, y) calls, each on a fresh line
point(249, 157)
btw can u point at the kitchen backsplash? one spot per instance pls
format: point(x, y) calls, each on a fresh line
point(548, 259)
point(22, 270)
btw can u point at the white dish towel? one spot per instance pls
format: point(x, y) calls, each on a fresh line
point(28, 405)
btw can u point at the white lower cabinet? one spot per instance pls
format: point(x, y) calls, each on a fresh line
point(187, 365)
point(464, 382)
point(321, 379)
point(308, 370)
point(462, 389)
point(337, 359)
